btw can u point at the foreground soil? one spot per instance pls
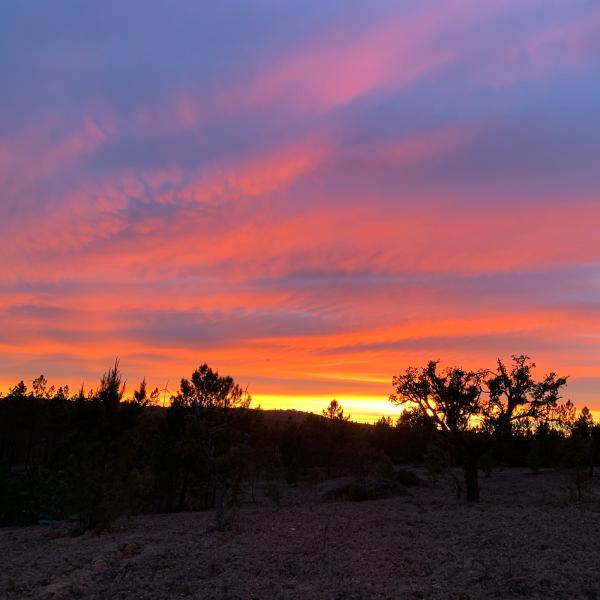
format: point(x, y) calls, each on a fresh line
point(526, 539)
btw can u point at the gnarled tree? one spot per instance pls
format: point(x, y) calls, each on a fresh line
point(474, 409)
point(514, 395)
point(451, 401)
point(462, 403)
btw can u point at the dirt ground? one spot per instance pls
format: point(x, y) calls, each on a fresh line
point(526, 539)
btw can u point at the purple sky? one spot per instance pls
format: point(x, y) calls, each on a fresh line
point(309, 196)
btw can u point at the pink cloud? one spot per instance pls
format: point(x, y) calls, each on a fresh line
point(337, 227)
point(264, 174)
point(36, 154)
point(428, 235)
point(545, 53)
point(342, 65)
point(417, 148)
point(182, 110)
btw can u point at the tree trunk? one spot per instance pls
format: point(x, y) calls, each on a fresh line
point(29, 449)
point(221, 516)
point(183, 492)
point(471, 479)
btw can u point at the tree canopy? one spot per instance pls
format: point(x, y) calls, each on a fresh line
point(458, 402)
point(209, 390)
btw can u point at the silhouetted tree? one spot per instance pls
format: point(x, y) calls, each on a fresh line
point(405, 440)
point(514, 395)
point(414, 432)
point(101, 473)
point(437, 459)
point(97, 454)
point(111, 390)
point(333, 432)
point(454, 402)
point(207, 390)
point(584, 430)
point(291, 450)
point(141, 396)
point(577, 452)
point(207, 450)
point(451, 400)
point(335, 412)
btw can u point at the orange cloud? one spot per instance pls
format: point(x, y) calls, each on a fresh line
point(264, 174)
point(315, 264)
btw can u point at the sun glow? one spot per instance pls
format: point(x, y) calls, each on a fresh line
point(362, 409)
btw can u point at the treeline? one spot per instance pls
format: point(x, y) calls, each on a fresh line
point(90, 457)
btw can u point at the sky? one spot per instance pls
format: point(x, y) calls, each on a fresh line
point(309, 196)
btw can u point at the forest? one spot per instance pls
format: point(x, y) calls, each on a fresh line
point(89, 457)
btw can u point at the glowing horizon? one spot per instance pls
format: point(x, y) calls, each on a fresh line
point(308, 198)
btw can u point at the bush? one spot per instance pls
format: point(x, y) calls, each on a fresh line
point(362, 489)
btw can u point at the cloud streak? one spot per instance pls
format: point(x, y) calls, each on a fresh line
point(310, 202)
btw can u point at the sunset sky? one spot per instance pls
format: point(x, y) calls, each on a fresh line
point(309, 196)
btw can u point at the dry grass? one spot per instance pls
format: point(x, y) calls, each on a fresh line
point(525, 540)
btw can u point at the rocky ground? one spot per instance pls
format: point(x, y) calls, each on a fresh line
point(526, 539)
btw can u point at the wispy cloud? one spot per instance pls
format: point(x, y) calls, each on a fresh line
point(310, 201)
